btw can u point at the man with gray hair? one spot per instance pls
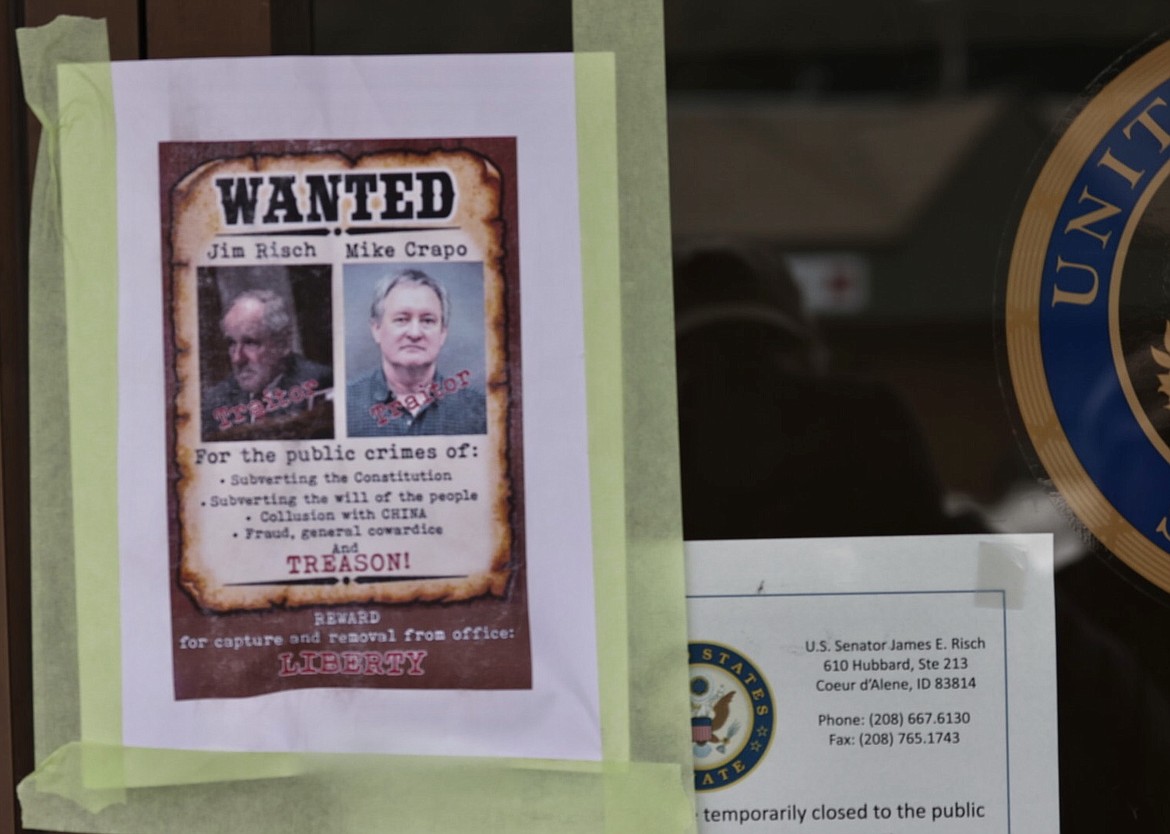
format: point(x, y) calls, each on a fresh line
point(269, 382)
point(405, 394)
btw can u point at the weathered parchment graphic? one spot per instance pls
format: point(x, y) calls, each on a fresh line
point(276, 502)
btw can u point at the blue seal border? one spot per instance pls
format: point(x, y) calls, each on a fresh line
point(1061, 316)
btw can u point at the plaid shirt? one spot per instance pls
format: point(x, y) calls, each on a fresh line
point(463, 411)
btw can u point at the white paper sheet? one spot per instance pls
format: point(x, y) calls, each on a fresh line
point(530, 98)
point(874, 685)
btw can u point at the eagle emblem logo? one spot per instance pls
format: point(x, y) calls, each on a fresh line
point(732, 715)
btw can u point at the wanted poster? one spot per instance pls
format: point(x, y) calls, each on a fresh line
point(354, 489)
point(343, 424)
point(344, 356)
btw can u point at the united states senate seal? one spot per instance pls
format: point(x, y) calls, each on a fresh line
point(732, 715)
point(1087, 319)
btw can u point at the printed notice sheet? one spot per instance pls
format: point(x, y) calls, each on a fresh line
point(874, 685)
point(354, 487)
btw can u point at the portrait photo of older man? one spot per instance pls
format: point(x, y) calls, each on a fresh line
point(416, 367)
point(269, 388)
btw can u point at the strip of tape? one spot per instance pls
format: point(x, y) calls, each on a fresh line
point(1002, 566)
